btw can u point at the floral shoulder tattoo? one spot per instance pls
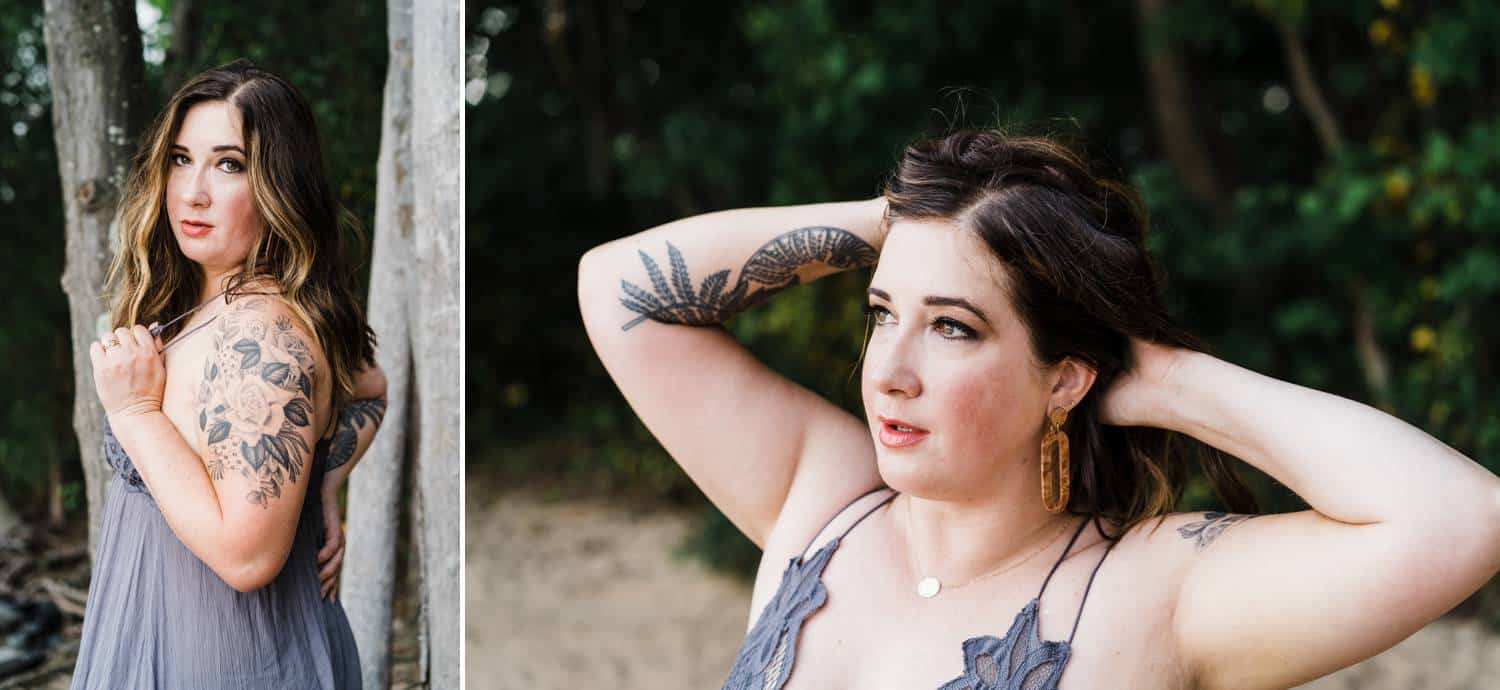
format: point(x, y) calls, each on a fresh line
point(255, 400)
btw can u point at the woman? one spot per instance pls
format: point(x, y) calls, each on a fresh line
point(222, 419)
point(1016, 316)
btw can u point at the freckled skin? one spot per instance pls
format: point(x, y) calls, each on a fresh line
point(984, 399)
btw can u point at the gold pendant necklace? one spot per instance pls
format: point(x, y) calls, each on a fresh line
point(929, 586)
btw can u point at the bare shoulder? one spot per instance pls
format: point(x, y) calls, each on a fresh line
point(262, 380)
point(1167, 543)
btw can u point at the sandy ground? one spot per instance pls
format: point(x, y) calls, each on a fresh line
point(586, 593)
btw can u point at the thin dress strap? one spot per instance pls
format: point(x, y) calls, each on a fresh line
point(1086, 587)
point(1069, 547)
point(845, 509)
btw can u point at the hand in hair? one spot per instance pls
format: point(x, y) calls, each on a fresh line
point(1141, 395)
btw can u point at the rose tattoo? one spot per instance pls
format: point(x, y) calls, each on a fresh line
point(255, 398)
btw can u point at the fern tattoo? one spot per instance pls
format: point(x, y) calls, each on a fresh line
point(255, 399)
point(772, 268)
point(1208, 529)
point(345, 438)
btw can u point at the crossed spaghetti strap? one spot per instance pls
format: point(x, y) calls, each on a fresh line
point(1086, 587)
point(1066, 550)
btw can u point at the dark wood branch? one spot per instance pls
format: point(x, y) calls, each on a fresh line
point(1308, 91)
point(1182, 137)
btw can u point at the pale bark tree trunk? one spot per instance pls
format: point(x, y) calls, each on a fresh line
point(437, 318)
point(369, 578)
point(96, 73)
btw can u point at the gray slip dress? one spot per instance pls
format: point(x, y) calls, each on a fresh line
point(157, 618)
point(1020, 660)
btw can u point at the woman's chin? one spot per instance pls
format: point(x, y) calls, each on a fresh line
point(913, 473)
point(212, 259)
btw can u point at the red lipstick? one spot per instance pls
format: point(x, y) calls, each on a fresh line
point(896, 433)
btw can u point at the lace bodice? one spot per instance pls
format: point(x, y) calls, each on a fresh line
point(1020, 660)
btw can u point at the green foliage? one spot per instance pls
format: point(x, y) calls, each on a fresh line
point(36, 388)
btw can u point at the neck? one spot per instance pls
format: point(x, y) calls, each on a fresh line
point(214, 281)
point(958, 540)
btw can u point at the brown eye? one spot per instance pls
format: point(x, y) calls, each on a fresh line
point(951, 329)
point(880, 313)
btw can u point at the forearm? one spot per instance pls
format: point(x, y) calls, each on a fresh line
point(1348, 461)
point(706, 268)
point(189, 500)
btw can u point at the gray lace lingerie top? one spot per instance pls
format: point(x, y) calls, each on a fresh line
point(1020, 660)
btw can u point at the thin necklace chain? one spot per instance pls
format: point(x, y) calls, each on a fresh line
point(912, 553)
point(180, 336)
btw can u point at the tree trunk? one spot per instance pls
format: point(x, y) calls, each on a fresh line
point(370, 575)
point(8, 519)
point(1373, 362)
point(437, 339)
point(97, 79)
point(187, 34)
point(1176, 119)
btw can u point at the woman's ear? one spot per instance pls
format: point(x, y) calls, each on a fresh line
point(1074, 378)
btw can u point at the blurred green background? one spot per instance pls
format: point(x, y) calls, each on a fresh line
point(335, 54)
point(1322, 182)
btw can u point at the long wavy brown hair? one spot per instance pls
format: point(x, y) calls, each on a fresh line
point(1072, 242)
point(307, 248)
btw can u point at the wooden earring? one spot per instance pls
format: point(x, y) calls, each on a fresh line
point(1055, 438)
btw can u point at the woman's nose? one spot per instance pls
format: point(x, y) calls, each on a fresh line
point(892, 368)
point(195, 191)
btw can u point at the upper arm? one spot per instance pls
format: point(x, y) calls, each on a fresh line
point(257, 422)
point(1277, 600)
point(741, 431)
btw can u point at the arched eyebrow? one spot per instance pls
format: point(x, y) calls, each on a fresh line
point(940, 301)
point(223, 147)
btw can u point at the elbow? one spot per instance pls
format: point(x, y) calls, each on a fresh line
point(377, 389)
point(249, 574)
point(1461, 542)
point(370, 384)
point(1492, 543)
point(586, 268)
point(588, 281)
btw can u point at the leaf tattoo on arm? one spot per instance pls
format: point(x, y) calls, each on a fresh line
point(1208, 529)
point(355, 416)
point(772, 268)
point(255, 399)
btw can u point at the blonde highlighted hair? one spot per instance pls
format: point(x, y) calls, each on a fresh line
point(307, 249)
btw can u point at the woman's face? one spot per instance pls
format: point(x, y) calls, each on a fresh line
point(209, 204)
point(948, 356)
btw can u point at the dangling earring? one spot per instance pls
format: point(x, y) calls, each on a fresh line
point(1055, 438)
